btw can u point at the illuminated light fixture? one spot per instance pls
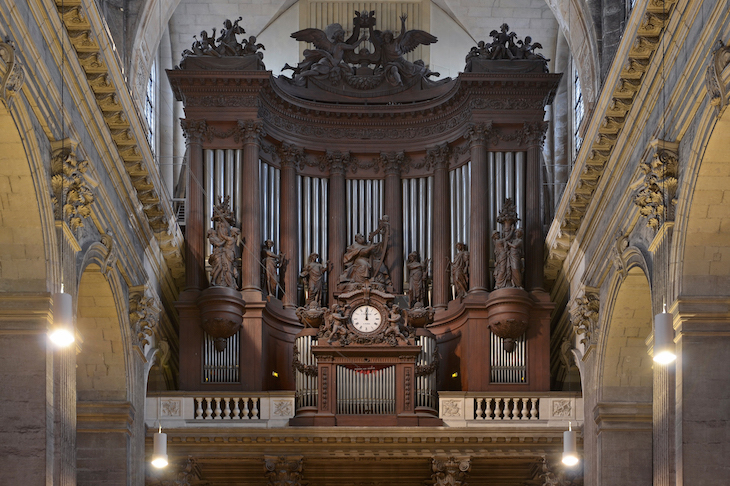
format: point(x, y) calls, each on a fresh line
point(570, 449)
point(664, 352)
point(455, 374)
point(62, 332)
point(274, 374)
point(159, 450)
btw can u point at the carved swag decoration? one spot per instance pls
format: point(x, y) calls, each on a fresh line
point(657, 198)
point(334, 63)
point(224, 237)
point(508, 249)
point(72, 196)
point(504, 46)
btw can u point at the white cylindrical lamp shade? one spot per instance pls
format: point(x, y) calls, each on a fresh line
point(570, 448)
point(159, 450)
point(62, 332)
point(664, 352)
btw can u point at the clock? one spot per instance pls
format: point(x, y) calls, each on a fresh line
point(366, 319)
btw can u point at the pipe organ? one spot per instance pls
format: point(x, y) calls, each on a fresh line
point(363, 175)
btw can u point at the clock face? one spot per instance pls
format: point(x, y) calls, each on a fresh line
point(366, 318)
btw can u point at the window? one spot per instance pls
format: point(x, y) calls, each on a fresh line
point(578, 112)
point(149, 105)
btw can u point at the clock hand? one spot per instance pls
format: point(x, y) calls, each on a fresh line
point(366, 313)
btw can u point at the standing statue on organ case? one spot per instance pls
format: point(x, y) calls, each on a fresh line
point(223, 238)
point(460, 270)
point(313, 276)
point(272, 261)
point(417, 276)
point(508, 249)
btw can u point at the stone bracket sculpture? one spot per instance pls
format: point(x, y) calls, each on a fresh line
point(11, 72)
point(657, 198)
point(72, 194)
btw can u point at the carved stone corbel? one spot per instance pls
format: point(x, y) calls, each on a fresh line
point(144, 317)
point(617, 252)
point(11, 72)
point(284, 470)
point(111, 253)
point(449, 471)
point(584, 311)
point(71, 193)
point(657, 198)
point(716, 88)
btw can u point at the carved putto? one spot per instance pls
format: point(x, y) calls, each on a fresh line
point(364, 261)
point(508, 249)
point(335, 62)
point(505, 46)
point(459, 269)
point(226, 45)
point(417, 278)
point(224, 237)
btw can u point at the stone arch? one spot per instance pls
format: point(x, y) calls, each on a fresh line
point(704, 254)
point(624, 378)
point(102, 365)
point(24, 231)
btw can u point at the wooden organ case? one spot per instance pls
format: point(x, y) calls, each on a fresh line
point(347, 192)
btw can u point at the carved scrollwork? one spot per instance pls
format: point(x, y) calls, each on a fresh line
point(657, 198)
point(450, 471)
point(713, 77)
point(283, 470)
point(584, 316)
point(144, 315)
point(11, 72)
point(72, 195)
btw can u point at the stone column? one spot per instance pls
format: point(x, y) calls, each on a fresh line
point(534, 134)
point(250, 204)
point(289, 157)
point(393, 207)
point(439, 158)
point(478, 228)
point(195, 278)
point(337, 219)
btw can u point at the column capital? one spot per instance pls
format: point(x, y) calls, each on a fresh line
point(478, 133)
point(196, 130)
point(337, 161)
point(290, 155)
point(450, 470)
point(250, 131)
point(392, 162)
point(284, 470)
point(439, 156)
point(533, 134)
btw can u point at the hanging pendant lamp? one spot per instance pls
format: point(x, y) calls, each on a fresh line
point(570, 447)
point(159, 450)
point(664, 352)
point(62, 333)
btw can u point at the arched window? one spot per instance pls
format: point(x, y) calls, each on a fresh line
point(149, 105)
point(578, 112)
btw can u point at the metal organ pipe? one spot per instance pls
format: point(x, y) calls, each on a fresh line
point(364, 206)
point(223, 366)
point(417, 218)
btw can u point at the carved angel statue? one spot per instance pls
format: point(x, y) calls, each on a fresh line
point(392, 49)
point(327, 60)
point(224, 237)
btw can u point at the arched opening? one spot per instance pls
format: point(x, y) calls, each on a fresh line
point(624, 411)
point(104, 414)
point(22, 253)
